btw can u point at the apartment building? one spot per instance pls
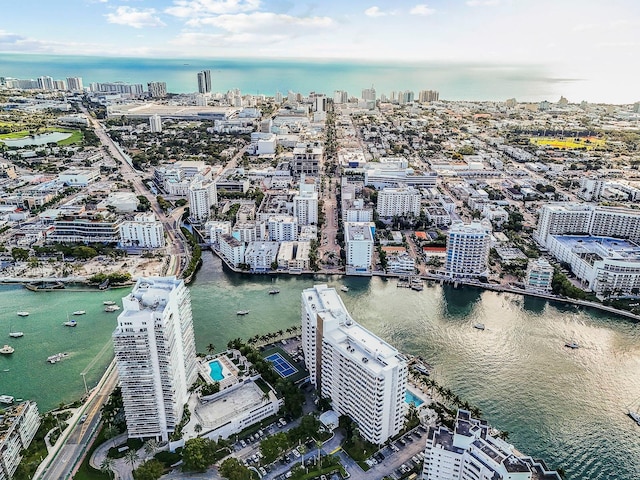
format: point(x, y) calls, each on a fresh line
point(143, 231)
point(398, 201)
point(468, 248)
point(202, 196)
point(364, 377)
point(18, 425)
point(283, 228)
point(86, 229)
point(305, 203)
point(155, 355)
point(539, 276)
point(231, 249)
point(359, 239)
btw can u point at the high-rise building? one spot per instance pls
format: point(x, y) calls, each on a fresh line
point(305, 203)
point(202, 196)
point(359, 239)
point(157, 89)
point(469, 451)
point(340, 96)
point(204, 81)
point(155, 355)
point(398, 201)
point(364, 377)
point(428, 96)
point(155, 123)
point(369, 94)
point(45, 83)
point(18, 425)
point(468, 248)
point(74, 84)
point(539, 276)
point(144, 231)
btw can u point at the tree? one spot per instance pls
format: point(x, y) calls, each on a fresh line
point(211, 348)
point(131, 457)
point(107, 466)
point(19, 254)
point(196, 455)
point(232, 469)
point(150, 447)
point(151, 470)
point(197, 428)
point(274, 446)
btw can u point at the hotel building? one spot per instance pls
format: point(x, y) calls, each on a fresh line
point(468, 248)
point(364, 377)
point(539, 276)
point(359, 238)
point(203, 195)
point(18, 426)
point(470, 452)
point(305, 203)
point(144, 231)
point(398, 201)
point(155, 355)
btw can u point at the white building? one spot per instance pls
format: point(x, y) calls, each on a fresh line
point(364, 377)
point(260, 255)
point(202, 196)
point(305, 203)
point(155, 123)
point(144, 231)
point(155, 354)
point(283, 228)
point(123, 202)
point(231, 249)
point(215, 228)
point(470, 452)
point(539, 276)
point(359, 239)
point(79, 177)
point(398, 201)
point(18, 425)
point(468, 248)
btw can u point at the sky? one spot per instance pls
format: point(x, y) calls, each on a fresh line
point(575, 38)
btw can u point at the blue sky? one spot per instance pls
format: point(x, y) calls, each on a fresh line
point(516, 31)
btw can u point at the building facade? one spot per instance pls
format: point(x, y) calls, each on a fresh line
point(155, 354)
point(364, 377)
point(305, 204)
point(202, 196)
point(359, 239)
point(398, 201)
point(18, 425)
point(468, 248)
point(144, 231)
point(539, 276)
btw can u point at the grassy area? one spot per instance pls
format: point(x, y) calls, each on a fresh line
point(14, 135)
point(584, 143)
point(76, 135)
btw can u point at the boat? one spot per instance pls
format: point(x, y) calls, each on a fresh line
point(111, 308)
point(70, 323)
point(7, 350)
point(57, 357)
point(79, 312)
point(23, 314)
point(572, 344)
point(479, 326)
point(635, 416)
point(344, 288)
point(16, 334)
point(108, 302)
point(242, 312)
point(8, 399)
point(274, 291)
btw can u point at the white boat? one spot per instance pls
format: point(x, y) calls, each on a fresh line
point(242, 312)
point(79, 312)
point(57, 357)
point(274, 291)
point(23, 314)
point(16, 334)
point(635, 416)
point(479, 326)
point(344, 288)
point(111, 308)
point(108, 302)
point(7, 350)
point(8, 399)
point(70, 323)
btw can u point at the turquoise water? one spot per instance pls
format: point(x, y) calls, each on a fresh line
point(216, 370)
point(565, 406)
point(454, 81)
point(411, 399)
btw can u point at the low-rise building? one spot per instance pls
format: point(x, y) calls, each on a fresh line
point(231, 249)
point(539, 276)
point(260, 255)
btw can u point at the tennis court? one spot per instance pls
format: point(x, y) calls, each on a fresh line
point(284, 368)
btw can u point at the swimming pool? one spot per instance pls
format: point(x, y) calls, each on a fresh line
point(411, 399)
point(216, 370)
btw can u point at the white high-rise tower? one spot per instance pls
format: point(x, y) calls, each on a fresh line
point(155, 354)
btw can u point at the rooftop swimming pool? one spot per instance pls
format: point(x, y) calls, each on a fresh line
point(216, 370)
point(411, 399)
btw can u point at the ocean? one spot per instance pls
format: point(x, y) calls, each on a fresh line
point(562, 405)
point(454, 81)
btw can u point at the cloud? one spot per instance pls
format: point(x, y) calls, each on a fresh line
point(374, 12)
point(265, 23)
point(198, 8)
point(135, 18)
point(422, 9)
point(13, 42)
point(483, 3)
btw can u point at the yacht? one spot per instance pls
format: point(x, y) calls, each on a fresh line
point(70, 323)
point(111, 308)
point(79, 312)
point(7, 350)
point(16, 334)
point(23, 314)
point(635, 416)
point(57, 357)
point(344, 288)
point(479, 326)
point(108, 302)
point(274, 291)
point(242, 312)
point(572, 344)
point(8, 399)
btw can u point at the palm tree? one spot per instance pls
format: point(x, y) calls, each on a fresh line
point(107, 466)
point(131, 457)
point(197, 428)
point(150, 447)
point(211, 348)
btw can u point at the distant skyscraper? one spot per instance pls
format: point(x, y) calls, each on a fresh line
point(155, 123)
point(74, 84)
point(45, 83)
point(369, 94)
point(428, 96)
point(155, 354)
point(157, 89)
point(204, 81)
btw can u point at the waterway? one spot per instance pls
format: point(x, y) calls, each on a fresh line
point(565, 406)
